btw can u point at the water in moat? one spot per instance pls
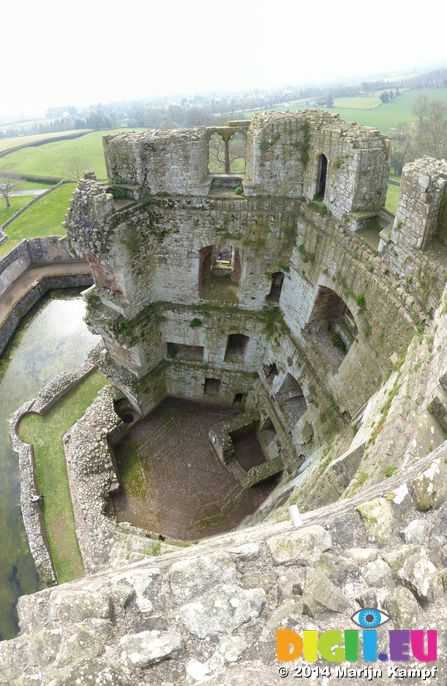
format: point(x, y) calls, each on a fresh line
point(52, 338)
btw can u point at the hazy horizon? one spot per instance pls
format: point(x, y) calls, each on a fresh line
point(95, 53)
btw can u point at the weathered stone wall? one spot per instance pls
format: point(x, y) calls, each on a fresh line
point(171, 161)
point(29, 252)
point(383, 549)
point(423, 184)
point(283, 158)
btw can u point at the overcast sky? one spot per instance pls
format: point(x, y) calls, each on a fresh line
point(84, 52)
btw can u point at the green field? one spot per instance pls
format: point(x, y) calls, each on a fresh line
point(51, 159)
point(364, 103)
point(392, 197)
point(45, 434)
point(16, 141)
point(41, 219)
point(385, 118)
point(16, 203)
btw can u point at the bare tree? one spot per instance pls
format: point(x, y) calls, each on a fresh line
point(75, 167)
point(9, 182)
point(419, 106)
point(431, 138)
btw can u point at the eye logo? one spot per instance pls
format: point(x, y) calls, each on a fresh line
point(369, 618)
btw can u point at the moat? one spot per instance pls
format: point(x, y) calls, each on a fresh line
point(51, 339)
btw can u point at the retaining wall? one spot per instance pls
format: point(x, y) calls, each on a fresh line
point(32, 251)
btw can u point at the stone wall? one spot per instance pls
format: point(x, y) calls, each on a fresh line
point(284, 152)
point(154, 622)
point(30, 252)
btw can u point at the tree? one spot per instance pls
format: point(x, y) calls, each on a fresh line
point(9, 182)
point(385, 96)
point(75, 167)
point(419, 106)
point(431, 138)
point(329, 101)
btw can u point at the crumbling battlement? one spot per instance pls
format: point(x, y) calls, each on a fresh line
point(303, 154)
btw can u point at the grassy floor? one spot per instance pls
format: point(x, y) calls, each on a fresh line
point(45, 434)
point(44, 217)
point(51, 159)
point(16, 203)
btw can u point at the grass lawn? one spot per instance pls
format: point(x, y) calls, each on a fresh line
point(51, 159)
point(15, 141)
point(41, 219)
point(45, 434)
point(16, 203)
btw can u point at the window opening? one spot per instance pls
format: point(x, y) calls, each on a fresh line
point(236, 347)
point(238, 399)
point(212, 386)
point(217, 154)
point(291, 399)
point(322, 172)
point(271, 371)
point(180, 351)
point(276, 287)
point(236, 153)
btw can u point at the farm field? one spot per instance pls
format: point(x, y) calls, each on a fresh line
point(51, 159)
point(385, 118)
point(17, 141)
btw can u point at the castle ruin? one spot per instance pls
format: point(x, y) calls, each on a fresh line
point(303, 301)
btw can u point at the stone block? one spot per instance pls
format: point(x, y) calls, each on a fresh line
point(377, 574)
point(148, 647)
point(422, 578)
point(403, 608)
point(222, 611)
point(190, 578)
point(321, 596)
point(430, 486)
point(299, 547)
point(415, 531)
point(377, 517)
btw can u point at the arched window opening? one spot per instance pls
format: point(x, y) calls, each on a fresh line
point(238, 399)
point(291, 400)
point(276, 287)
point(236, 153)
point(271, 371)
point(217, 154)
point(268, 431)
point(220, 268)
point(322, 173)
point(332, 326)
